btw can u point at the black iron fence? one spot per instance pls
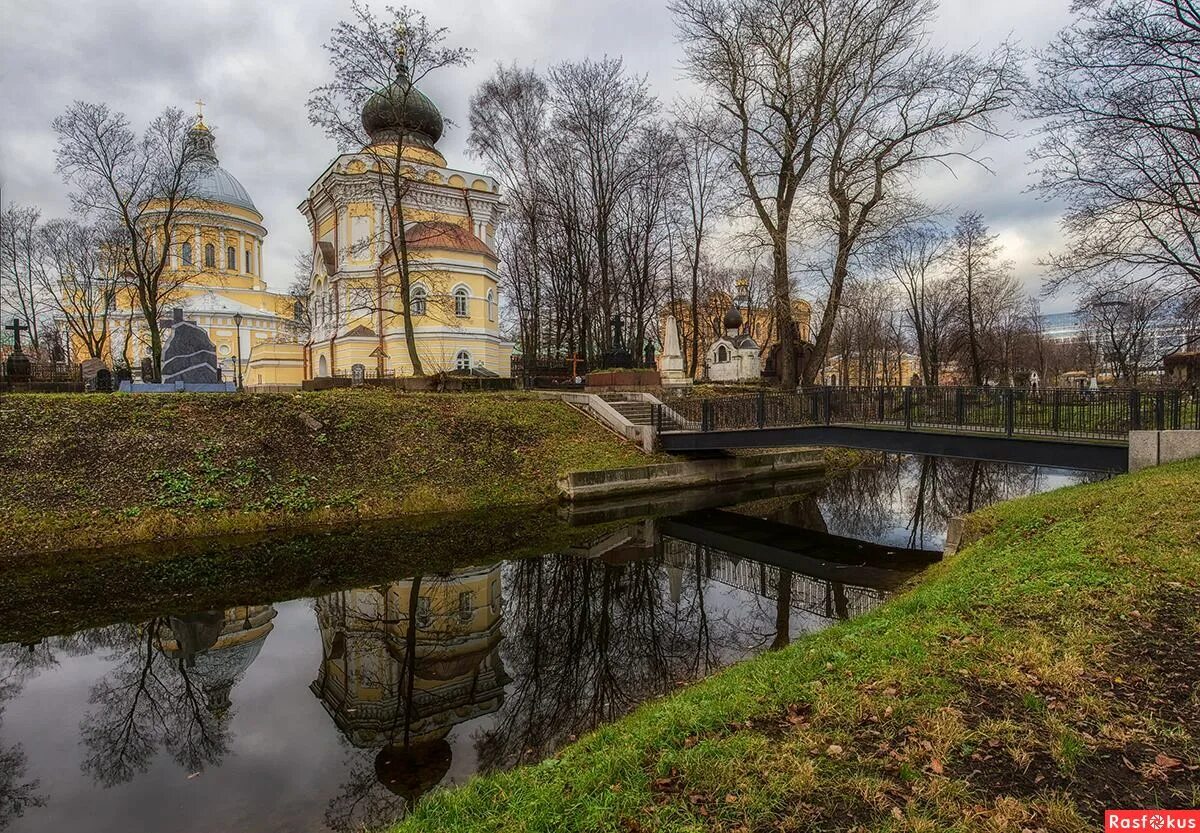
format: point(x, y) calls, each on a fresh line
point(1057, 412)
point(43, 377)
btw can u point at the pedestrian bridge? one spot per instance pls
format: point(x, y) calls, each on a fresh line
point(1062, 427)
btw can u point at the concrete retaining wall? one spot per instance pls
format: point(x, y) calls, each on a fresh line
point(1153, 448)
point(595, 485)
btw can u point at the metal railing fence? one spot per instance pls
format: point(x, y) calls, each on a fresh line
point(1057, 412)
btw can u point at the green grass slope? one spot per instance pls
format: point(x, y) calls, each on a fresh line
point(94, 470)
point(1044, 673)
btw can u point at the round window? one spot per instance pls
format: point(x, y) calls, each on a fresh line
point(224, 348)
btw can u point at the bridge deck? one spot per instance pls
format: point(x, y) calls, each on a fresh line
point(1086, 455)
point(1069, 428)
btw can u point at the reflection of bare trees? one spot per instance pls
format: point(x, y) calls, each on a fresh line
point(169, 689)
point(17, 664)
point(587, 639)
point(920, 494)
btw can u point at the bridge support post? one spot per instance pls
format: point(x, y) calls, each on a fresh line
point(908, 407)
point(828, 404)
point(1056, 414)
point(706, 416)
point(880, 412)
point(762, 409)
point(960, 406)
point(1160, 410)
point(1009, 413)
point(1135, 410)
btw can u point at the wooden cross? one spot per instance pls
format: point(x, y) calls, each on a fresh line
point(17, 328)
point(200, 109)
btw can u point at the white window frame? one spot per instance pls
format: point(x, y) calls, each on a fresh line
point(419, 300)
point(462, 294)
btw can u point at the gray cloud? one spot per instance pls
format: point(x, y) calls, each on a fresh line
point(254, 64)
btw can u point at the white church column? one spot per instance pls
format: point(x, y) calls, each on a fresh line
point(197, 249)
point(241, 253)
point(221, 250)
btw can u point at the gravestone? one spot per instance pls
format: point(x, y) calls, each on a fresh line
point(18, 366)
point(358, 373)
point(648, 355)
point(104, 381)
point(148, 370)
point(190, 356)
point(619, 355)
point(671, 360)
point(124, 374)
point(88, 369)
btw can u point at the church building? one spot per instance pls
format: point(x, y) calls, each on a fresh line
point(216, 263)
point(450, 219)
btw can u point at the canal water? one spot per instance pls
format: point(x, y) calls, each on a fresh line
point(331, 713)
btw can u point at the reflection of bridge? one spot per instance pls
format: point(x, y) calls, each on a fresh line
point(815, 596)
point(1060, 427)
point(825, 575)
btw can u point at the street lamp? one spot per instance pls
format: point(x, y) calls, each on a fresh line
point(237, 323)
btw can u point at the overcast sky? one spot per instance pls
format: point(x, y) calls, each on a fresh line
point(254, 64)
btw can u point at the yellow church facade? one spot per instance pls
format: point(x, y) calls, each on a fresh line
point(449, 219)
point(355, 316)
point(215, 264)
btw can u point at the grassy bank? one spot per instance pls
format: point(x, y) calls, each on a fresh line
point(97, 470)
point(1047, 671)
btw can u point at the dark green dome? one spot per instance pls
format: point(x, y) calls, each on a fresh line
point(400, 109)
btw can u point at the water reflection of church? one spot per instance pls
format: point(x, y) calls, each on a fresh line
point(216, 647)
point(404, 663)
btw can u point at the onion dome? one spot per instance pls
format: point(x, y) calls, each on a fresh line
point(400, 110)
point(412, 771)
point(214, 183)
point(733, 318)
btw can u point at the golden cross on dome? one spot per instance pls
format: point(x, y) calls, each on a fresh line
point(401, 45)
point(200, 113)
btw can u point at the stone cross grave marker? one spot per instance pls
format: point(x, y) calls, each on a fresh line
point(19, 368)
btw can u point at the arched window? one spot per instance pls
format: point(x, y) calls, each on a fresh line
point(322, 366)
point(462, 361)
point(419, 300)
point(461, 302)
point(491, 305)
point(186, 254)
point(210, 256)
point(249, 271)
point(722, 353)
point(231, 258)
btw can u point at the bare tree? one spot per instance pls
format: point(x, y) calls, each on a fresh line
point(23, 268)
point(1123, 327)
point(705, 188)
point(598, 111)
point(1119, 142)
point(839, 97)
point(89, 264)
point(913, 258)
point(900, 105)
point(377, 63)
point(508, 131)
point(142, 186)
point(770, 66)
point(977, 271)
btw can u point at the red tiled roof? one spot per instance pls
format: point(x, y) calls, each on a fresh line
point(437, 234)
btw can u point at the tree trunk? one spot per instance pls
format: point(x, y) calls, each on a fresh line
point(781, 283)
